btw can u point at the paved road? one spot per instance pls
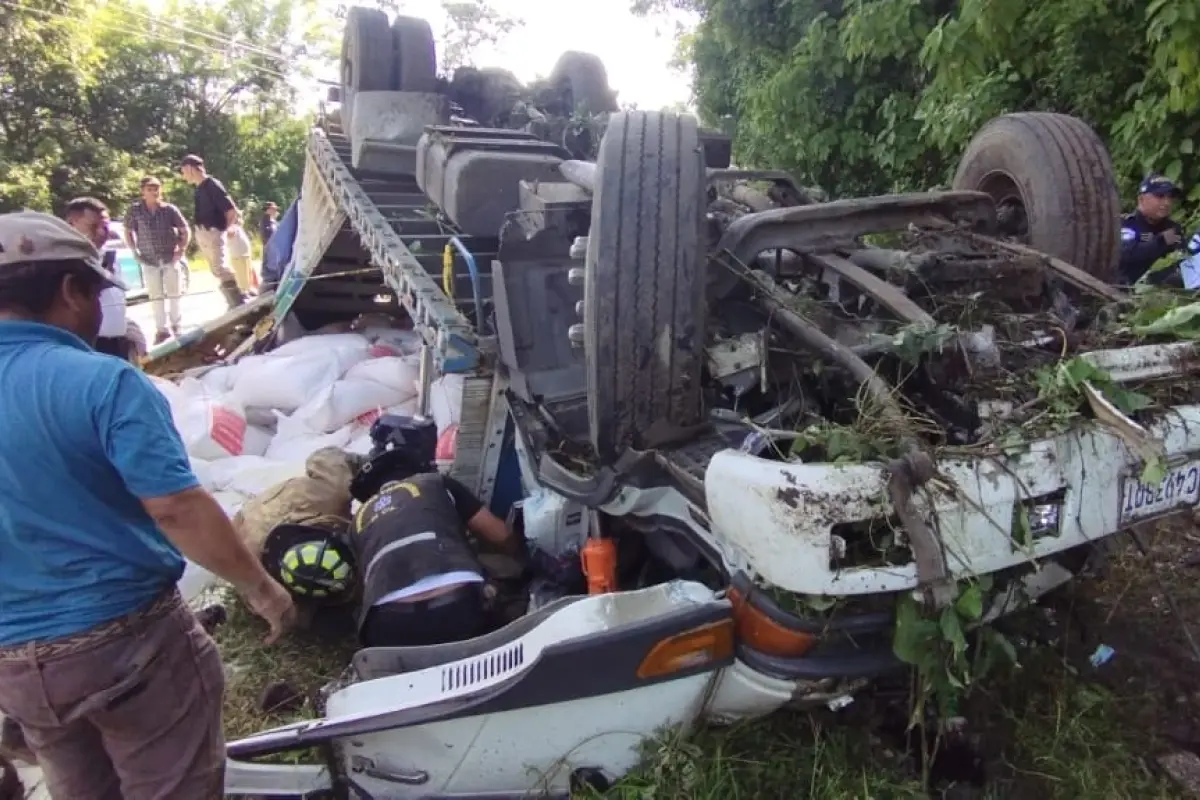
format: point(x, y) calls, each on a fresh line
point(202, 303)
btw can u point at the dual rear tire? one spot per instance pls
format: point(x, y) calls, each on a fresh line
point(378, 56)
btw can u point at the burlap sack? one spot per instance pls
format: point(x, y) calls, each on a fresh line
point(321, 496)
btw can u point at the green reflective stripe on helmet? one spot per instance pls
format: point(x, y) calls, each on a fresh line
point(316, 570)
point(310, 554)
point(330, 560)
point(291, 560)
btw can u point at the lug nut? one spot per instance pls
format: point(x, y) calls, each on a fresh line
point(579, 247)
point(575, 334)
point(575, 276)
point(579, 308)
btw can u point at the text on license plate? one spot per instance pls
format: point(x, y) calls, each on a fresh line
point(1181, 487)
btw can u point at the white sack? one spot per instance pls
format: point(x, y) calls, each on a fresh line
point(323, 343)
point(340, 404)
point(216, 428)
point(218, 380)
point(176, 397)
point(400, 373)
point(247, 475)
point(295, 442)
point(284, 382)
point(445, 401)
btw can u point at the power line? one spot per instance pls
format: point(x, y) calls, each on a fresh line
point(150, 35)
point(206, 34)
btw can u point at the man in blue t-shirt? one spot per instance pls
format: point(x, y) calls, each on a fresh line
point(117, 688)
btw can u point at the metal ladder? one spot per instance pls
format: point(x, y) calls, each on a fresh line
point(355, 219)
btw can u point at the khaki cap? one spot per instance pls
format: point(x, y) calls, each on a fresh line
point(31, 236)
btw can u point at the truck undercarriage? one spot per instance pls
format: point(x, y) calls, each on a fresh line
point(787, 413)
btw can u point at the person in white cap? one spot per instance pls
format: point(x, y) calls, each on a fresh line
point(116, 686)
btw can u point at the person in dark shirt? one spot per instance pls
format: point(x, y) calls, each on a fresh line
point(1149, 233)
point(421, 581)
point(269, 223)
point(216, 217)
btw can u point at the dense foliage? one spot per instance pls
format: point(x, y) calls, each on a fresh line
point(867, 96)
point(94, 95)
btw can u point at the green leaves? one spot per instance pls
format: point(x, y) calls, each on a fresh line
point(870, 96)
point(93, 96)
point(936, 644)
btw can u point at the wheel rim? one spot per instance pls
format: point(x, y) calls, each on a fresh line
point(1011, 213)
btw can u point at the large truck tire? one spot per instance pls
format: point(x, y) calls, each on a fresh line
point(644, 284)
point(582, 81)
point(415, 55)
point(1053, 182)
point(368, 64)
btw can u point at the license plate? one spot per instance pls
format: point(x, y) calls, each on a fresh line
point(1181, 487)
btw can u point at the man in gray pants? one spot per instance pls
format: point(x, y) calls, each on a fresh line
point(215, 218)
point(158, 235)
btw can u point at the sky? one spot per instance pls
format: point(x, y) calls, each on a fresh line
point(635, 50)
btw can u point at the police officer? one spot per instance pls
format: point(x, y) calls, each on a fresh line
point(421, 581)
point(1149, 233)
point(1189, 268)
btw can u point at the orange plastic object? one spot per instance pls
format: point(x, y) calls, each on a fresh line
point(765, 634)
point(599, 558)
point(689, 650)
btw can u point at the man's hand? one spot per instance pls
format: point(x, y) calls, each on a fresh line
point(177, 253)
point(1171, 237)
point(272, 602)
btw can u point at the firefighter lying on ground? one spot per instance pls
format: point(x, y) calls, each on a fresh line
point(403, 558)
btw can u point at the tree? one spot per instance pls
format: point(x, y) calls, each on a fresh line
point(866, 96)
point(470, 24)
point(93, 96)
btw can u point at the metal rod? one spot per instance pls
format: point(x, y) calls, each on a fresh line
point(580, 173)
point(426, 379)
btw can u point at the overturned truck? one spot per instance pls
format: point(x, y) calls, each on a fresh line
point(785, 414)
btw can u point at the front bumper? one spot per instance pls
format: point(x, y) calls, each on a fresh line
point(780, 517)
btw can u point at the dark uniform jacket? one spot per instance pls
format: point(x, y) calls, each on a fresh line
point(1141, 246)
point(411, 530)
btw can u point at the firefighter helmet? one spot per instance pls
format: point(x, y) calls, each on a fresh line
point(311, 562)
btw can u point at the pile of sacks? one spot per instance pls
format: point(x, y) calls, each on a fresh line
point(252, 424)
